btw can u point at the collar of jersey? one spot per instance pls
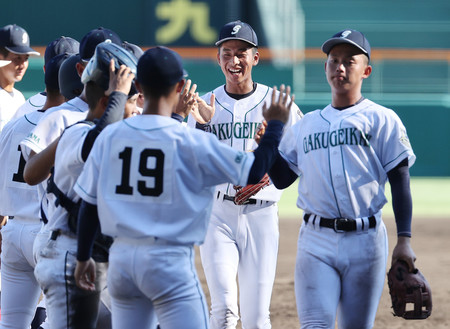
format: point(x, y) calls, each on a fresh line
point(150, 122)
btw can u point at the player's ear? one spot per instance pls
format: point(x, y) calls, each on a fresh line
point(80, 69)
point(255, 56)
point(218, 56)
point(180, 85)
point(367, 71)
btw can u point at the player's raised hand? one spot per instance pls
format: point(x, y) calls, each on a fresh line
point(204, 112)
point(85, 275)
point(120, 80)
point(188, 99)
point(279, 108)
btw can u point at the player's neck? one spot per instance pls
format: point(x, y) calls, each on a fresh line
point(345, 100)
point(52, 101)
point(244, 87)
point(6, 84)
point(159, 106)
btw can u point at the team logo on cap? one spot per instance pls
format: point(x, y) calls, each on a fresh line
point(236, 29)
point(24, 38)
point(345, 34)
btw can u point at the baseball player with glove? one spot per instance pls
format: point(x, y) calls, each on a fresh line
point(152, 168)
point(243, 234)
point(344, 154)
point(20, 201)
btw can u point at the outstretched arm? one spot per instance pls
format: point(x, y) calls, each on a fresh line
point(402, 206)
point(276, 116)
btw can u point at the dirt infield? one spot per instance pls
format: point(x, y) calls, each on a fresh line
point(431, 243)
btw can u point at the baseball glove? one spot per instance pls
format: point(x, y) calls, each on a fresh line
point(409, 288)
point(246, 192)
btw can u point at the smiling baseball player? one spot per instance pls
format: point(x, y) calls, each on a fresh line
point(242, 236)
point(344, 154)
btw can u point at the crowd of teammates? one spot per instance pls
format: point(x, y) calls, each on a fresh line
point(101, 206)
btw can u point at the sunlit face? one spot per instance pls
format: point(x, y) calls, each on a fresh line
point(236, 59)
point(346, 68)
point(130, 107)
point(14, 71)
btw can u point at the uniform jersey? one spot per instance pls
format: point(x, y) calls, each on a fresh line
point(342, 158)
point(68, 166)
point(52, 124)
point(9, 103)
point(33, 103)
point(236, 122)
point(162, 173)
point(13, 189)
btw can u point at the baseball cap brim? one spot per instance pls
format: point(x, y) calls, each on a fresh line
point(330, 43)
point(22, 50)
point(4, 63)
point(218, 43)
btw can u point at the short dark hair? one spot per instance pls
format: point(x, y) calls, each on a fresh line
point(4, 52)
point(93, 94)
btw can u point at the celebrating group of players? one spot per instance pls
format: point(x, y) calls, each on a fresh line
point(102, 206)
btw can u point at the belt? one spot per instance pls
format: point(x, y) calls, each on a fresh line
point(231, 198)
point(341, 224)
point(55, 234)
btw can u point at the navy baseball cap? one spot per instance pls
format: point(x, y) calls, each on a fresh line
point(160, 67)
point(352, 37)
point(93, 38)
point(52, 71)
point(97, 70)
point(16, 40)
point(70, 84)
point(238, 30)
point(60, 46)
point(134, 49)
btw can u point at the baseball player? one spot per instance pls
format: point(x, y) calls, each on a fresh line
point(67, 305)
point(242, 239)
point(20, 291)
point(61, 45)
point(344, 154)
point(14, 47)
point(152, 168)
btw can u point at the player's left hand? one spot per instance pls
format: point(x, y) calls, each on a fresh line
point(403, 251)
point(120, 80)
point(85, 275)
point(204, 112)
point(279, 109)
point(188, 99)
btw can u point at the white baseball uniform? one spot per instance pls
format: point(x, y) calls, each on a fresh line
point(161, 175)
point(20, 290)
point(9, 103)
point(33, 103)
point(342, 158)
point(56, 262)
point(241, 240)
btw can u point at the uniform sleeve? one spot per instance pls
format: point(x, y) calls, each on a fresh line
point(86, 185)
point(288, 147)
point(46, 131)
point(219, 163)
point(393, 144)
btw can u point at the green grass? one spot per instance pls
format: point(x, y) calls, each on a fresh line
point(431, 198)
